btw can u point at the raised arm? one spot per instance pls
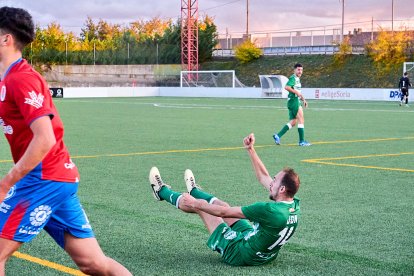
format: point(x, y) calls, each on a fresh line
point(262, 174)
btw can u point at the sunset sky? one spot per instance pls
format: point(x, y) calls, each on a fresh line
point(230, 15)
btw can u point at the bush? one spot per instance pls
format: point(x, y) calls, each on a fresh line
point(345, 50)
point(247, 52)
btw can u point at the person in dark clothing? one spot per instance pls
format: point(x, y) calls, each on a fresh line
point(403, 85)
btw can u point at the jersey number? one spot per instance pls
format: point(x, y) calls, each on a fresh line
point(284, 237)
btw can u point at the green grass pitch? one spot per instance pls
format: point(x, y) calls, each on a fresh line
point(356, 193)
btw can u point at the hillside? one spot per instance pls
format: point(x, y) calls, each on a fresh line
point(358, 71)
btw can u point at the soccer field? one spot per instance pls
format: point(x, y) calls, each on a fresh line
point(356, 194)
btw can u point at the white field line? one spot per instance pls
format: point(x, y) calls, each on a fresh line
point(195, 106)
point(235, 107)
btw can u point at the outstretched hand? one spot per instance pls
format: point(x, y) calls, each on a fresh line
point(187, 203)
point(248, 141)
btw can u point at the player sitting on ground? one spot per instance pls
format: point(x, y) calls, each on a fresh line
point(238, 242)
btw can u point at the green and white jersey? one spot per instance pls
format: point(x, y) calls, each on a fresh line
point(274, 223)
point(294, 82)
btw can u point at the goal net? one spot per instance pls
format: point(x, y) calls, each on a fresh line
point(409, 68)
point(220, 78)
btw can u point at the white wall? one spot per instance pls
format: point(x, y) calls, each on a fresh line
point(309, 93)
point(210, 92)
point(96, 92)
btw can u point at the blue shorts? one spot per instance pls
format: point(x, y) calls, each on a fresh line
point(33, 204)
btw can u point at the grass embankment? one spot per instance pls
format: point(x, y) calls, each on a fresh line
point(356, 71)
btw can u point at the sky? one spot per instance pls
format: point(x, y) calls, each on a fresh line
point(230, 16)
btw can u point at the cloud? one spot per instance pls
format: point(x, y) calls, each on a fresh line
point(263, 15)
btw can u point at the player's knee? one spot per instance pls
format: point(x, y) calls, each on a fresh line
point(221, 203)
point(94, 266)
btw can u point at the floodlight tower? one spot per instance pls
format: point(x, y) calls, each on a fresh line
point(189, 35)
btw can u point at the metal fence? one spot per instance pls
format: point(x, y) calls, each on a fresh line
point(301, 50)
point(320, 40)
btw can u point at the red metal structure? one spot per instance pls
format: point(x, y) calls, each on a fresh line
point(189, 35)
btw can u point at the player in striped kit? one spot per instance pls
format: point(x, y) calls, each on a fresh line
point(39, 191)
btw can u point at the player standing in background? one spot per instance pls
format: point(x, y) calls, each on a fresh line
point(40, 189)
point(403, 85)
point(295, 107)
point(238, 242)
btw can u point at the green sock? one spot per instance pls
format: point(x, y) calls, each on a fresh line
point(169, 195)
point(301, 131)
point(282, 132)
point(199, 194)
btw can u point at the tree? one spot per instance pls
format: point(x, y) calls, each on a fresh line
point(390, 49)
point(52, 37)
point(154, 41)
point(150, 29)
point(207, 39)
point(50, 44)
point(170, 44)
point(90, 32)
point(104, 30)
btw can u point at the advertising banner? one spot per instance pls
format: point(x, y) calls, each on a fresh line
point(56, 92)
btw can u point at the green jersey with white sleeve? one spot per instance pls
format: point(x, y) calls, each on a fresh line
point(274, 223)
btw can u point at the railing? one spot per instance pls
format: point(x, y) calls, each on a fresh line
point(298, 50)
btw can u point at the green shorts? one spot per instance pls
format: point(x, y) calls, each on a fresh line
point(226, 240)
point(293, 109)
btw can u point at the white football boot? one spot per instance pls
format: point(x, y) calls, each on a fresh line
point(190, 180)
point(156, 182)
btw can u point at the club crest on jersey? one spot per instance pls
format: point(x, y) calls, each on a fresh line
point(35, 100)
point(3, 93)
point(40, 215)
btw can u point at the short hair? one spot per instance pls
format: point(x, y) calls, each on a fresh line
point(291, 181)
point(405, 73)
point(18, 22)
point(297, 65)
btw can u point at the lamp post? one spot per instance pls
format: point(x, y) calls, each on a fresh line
point(247, 19)
point(343, 20)
point(66, 51)
point(392, 17)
